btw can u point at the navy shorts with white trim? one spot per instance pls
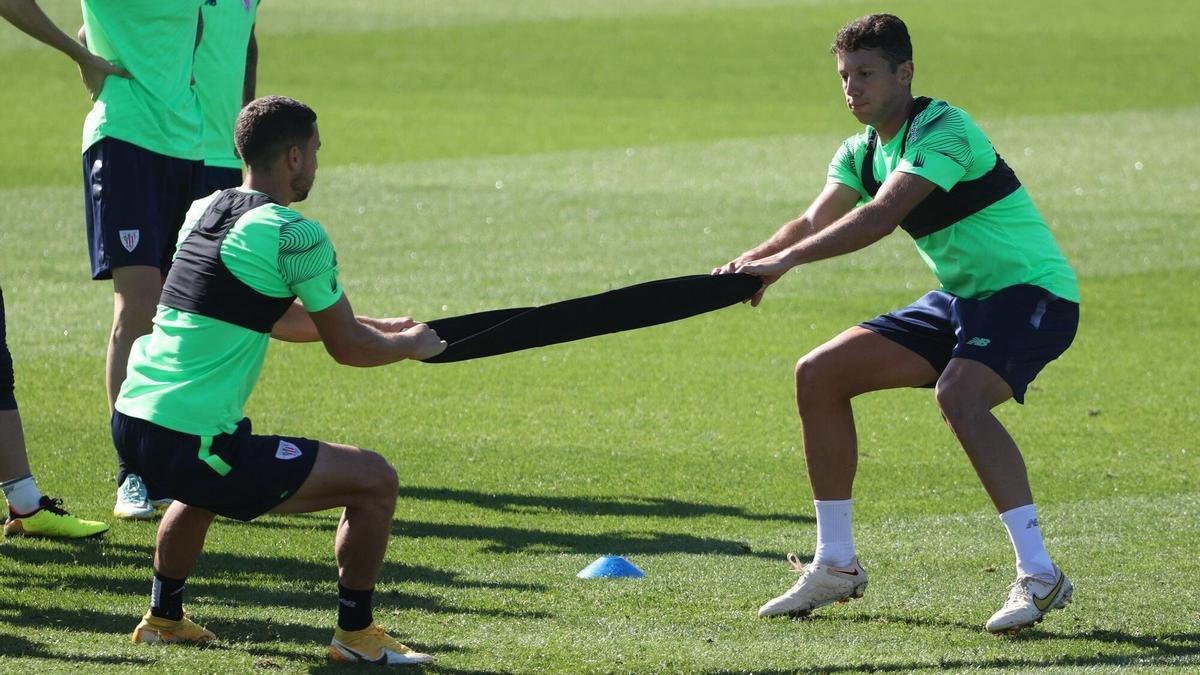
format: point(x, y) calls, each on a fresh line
point(1015, 331)
point(134, 201)
point(238, 475)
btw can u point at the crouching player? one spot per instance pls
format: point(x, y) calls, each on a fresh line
point(243, 260)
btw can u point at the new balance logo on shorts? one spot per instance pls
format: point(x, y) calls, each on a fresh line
point(130, 239)
point(979, 342)
point(287, 451)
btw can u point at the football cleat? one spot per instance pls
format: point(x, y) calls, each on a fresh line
point(819, 585)
point(1029, 600)
point(373, 645)
point(154, 629)
point(50, 520)
point(133, 500)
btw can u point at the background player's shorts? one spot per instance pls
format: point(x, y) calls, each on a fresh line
point(217, 178)
point(134, 201)
point(238, 475)
point(1015, 331)
point(8, 398)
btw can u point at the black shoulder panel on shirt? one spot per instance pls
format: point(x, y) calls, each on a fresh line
point(201, 284)
point(942, 208)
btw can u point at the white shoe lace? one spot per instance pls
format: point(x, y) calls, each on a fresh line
point(1019, 593)
point(132, 490)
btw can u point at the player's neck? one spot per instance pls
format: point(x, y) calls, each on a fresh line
point(277, 188)
point(887, 130)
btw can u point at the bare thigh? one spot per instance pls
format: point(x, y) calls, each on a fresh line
point(858, 361)
point(343, 475)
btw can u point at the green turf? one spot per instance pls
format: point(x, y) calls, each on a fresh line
point(481, 155)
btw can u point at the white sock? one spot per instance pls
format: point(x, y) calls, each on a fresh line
point(835, 540)
point(22, 494)
point(1026, 536)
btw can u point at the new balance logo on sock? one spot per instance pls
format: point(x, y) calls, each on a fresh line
point(979, 342)
point(1033, 522)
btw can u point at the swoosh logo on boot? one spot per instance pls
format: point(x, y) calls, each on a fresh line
point(1043, 603)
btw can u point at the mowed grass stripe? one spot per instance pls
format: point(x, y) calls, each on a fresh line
point(709, 600)
point(518, 86)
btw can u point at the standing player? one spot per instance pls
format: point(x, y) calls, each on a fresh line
point(225, 72)
point(226, 75)
point(29, 511)
point(1008, 305)
point(243, 259)
point(141, 169)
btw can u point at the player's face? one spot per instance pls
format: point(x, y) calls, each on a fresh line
point(302, 182)
point(873, 91)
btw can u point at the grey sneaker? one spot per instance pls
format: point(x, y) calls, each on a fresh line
point(133, 502)
point(1029, 600)
point(819, 585)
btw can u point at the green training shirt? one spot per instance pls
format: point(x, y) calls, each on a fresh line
point(193, 373)
point(221, 74)
point(1004, 244)
point(154, 40)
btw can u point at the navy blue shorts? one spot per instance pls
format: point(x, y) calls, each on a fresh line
point(1015, 331)
point(134, 201)
point(8, 397)
point(217, 178)
point(238, 475)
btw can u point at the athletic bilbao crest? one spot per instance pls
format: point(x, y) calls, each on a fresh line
point(287, 451)
point(130, 239)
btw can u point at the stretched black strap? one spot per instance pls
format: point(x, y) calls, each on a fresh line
point(501, 331)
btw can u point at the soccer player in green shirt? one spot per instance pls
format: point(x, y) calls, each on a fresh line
point(248, 268)
point(142, 167)
point(1007, 306)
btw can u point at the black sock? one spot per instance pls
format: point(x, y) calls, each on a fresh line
point(354, 608)
point(166, 597)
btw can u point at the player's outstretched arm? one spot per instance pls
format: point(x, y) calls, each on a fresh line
point(373, 342)
point(29, 18)
point(860, 228)
point(835, 201)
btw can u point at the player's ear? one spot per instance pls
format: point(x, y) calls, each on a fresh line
point(295, 157)
point(905, 72)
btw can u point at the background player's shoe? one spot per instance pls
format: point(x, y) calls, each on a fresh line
point(819, 585)
point(373, 645)
point(50, 520)
point(153, 630)
point(1030, 599)
point(133, 501)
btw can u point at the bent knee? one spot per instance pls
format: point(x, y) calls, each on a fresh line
point(959, 403)
point(817, 379)
point(378, 476)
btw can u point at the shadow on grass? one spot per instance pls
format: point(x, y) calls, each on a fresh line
point(648, 507)
point(516, 539)
point(16, 646)
point(1147, 650)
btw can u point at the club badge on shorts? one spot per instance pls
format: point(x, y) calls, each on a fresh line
point(287, 451)
point(130, 239)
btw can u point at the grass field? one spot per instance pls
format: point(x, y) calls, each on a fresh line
point(482, 154)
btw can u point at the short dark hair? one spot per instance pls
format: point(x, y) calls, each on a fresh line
point(268, 126)
point(885, 32)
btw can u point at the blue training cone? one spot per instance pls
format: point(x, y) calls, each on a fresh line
point(610, 566)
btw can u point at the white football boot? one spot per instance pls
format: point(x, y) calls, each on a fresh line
point(133, 501)
point(819, 585)
point(1029, 599)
